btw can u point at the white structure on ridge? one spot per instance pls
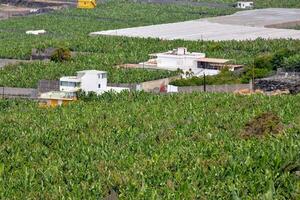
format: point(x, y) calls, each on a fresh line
point(192, 64)
point(245, 4)
point(178, 58)
point(87, 81)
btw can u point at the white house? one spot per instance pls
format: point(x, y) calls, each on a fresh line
point(177, 58)
point(192, 64)
point(87, 81)
point(245, 4)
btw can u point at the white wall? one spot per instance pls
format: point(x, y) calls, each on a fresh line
point(69, 87)
point(245, 5)
point(176, 62)
point(90, 82)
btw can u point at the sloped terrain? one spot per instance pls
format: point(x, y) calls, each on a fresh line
point(145, 146)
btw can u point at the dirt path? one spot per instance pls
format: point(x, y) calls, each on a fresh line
point(5, 62)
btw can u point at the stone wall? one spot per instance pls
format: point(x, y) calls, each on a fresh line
point(131, 86)
point(150, 86)
point(9, 92)
point(227, 88)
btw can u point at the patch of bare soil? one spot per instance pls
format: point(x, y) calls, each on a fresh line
point(288, 25)
point(264, 124)
point(38, 3)
point(12, 8)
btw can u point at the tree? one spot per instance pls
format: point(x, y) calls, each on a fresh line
point(60, 55)
point(279, 57)
point(264, 62)
point(292, 63)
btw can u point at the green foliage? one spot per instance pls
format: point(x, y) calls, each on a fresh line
point(292, 63)
point(69, 28)
point(264, 61)
point(255, 73)
point(146, 146)
point(60, 55)
point(279, 56)
point(28, 74)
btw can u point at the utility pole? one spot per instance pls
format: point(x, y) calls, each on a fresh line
point(253, 77)
point(204, 79)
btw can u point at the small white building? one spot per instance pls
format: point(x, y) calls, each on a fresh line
point(245, 4)
point(178, 58)
point(87, 81)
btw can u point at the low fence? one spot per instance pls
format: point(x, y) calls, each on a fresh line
point(227, 88)
point(10, 92)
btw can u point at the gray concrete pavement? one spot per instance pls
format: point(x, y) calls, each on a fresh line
point(245, 25)
point(5, 62)
point(260, 17)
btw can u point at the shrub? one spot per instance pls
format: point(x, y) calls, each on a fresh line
point(60, 55)
point(292, 63)
point(278, 58)
point(264, 61)
point(256, 72)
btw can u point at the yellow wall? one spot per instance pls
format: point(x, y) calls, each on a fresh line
point(52, 103)
point(86, 4)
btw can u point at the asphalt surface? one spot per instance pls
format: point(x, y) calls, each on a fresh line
point(244, 25)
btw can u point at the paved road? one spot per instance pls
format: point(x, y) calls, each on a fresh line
point(245, 25)
point(10, 92)
point(5, 62)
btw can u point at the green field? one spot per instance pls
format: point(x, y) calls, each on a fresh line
point(70, 28)
point(148, 147)
point(117, 50)
point(141, 145)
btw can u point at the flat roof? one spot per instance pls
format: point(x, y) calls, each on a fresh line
point(70, 79)
point(57, 95)
point(213, 60)
point(92, 71)
point(169, 53)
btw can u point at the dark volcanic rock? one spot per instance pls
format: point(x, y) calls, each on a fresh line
point(285, 82)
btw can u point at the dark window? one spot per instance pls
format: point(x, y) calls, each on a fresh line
point(99, 85)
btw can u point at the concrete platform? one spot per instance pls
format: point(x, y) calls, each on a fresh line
point(245, 25)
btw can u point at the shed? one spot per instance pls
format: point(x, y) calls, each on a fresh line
point(216, 64)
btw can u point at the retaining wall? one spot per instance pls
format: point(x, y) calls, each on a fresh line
point(149, 86)
point(10, 92)
point(228, 88)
